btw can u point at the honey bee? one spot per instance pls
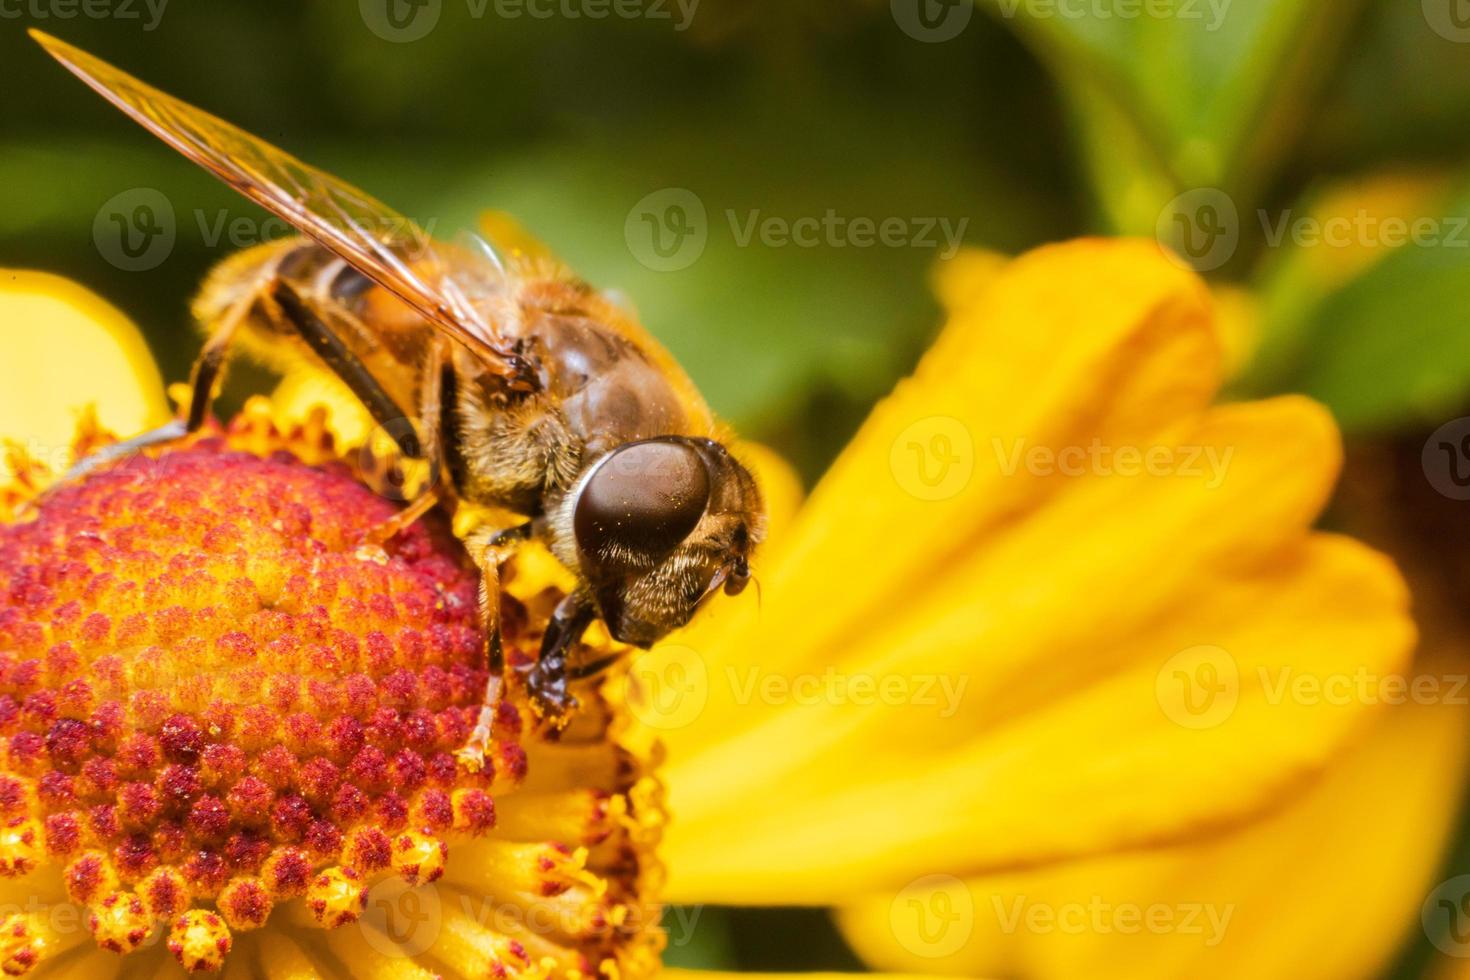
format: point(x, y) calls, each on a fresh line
point(525, 390)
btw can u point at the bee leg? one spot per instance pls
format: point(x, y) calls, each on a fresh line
point(210, 365)
point(488, 547)
point(429, 414)
point(547, 680)
point(161, 436)
point(401, 521)
point(206, 372)
point(471, 756)
point(583, 671)
point(346, 366)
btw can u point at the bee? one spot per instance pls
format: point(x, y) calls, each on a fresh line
point(522, 389)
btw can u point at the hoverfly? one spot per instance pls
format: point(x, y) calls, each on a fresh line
point(528, 391)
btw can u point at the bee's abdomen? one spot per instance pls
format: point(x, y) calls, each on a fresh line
point(325, 281)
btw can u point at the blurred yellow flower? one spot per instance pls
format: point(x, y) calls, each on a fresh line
point(1050, 608)
point(1056, 655)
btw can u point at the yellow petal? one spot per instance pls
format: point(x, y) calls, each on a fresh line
point(306, 388)
point(1012, 692)
point(1329, 886)
point(66, 348)
point(722, 975)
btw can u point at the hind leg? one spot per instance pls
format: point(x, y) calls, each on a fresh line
point(203, 381)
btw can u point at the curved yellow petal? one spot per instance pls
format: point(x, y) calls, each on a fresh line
point(1001, 676)
point(306, 388)
point(723, 975)
point(66, 348)
point(1329, 886)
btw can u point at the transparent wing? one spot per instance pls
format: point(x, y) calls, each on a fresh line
point(383, 244)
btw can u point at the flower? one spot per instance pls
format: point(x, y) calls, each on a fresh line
point(228, 734)
point(1035, 615)
point(1056, 656)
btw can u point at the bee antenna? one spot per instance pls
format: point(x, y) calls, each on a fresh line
point(758, 594)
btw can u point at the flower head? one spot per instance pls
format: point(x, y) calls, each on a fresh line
point(219, 709)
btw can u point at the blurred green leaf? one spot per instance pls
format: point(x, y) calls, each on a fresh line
point(1389, 348)
point(1182, 93)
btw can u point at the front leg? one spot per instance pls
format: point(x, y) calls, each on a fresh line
point(488, 547)
point(547, 680)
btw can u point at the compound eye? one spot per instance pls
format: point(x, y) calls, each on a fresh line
point(641, 502)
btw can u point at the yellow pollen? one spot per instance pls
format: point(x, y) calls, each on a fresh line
point(419, 858)
point(120, 922)
point(336, 897)
point(200, 940)
point(165, 893)
point(20, 946)
point(90, 877)
point(20, 846)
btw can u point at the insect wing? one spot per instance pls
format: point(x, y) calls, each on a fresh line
point(383, 244)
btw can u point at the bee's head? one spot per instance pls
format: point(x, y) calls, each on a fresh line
point(660, 525)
